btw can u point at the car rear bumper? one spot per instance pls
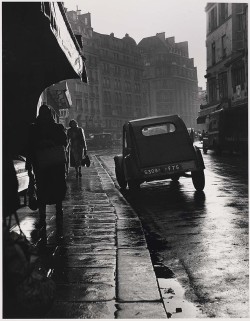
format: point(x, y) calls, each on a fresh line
point(168, 169)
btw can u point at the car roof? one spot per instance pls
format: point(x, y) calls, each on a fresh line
point(153, 120)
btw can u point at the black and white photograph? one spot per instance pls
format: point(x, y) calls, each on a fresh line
point(125, 159)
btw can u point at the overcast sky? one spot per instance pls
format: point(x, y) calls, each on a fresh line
point(183, 19)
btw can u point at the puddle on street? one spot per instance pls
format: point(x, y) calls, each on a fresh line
point(173, 295)
point(176, 305)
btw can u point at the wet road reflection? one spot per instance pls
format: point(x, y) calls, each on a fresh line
point(201, 237)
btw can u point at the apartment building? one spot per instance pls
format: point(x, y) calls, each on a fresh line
point(121, 77)
point(227, 63)
point(86, 105)
point(170, 78)
point(114, 91)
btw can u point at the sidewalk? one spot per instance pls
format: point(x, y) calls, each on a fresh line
point(102, 266)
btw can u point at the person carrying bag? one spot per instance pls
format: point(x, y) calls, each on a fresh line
point(77, 146)
point(85, 161)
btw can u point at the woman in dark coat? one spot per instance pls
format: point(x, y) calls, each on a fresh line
point(77, 144)
point(50, 181)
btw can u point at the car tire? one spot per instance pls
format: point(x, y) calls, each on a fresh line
point(175, 178)
point(204, 150)
point(133, 185)
point(120, 177)
point(198, 179)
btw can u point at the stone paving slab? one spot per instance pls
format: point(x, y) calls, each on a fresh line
point(140, 310)
point(125, 212)
point(92, 215)
point(83, 292)
point(91, 232)
point(136, 277)
point(85, 260)
point(130, 239)
point(96, 225)
point(84, 310)
point(79, 221)
point(85, 275)
point(105, 240)
point(85, 248)
point(129, 224)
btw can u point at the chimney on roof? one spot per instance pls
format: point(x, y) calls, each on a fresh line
point(78, 11)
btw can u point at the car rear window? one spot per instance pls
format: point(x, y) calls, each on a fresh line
point(158, 129)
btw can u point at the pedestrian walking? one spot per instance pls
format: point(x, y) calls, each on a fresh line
point(77, 146)
point(46, 156)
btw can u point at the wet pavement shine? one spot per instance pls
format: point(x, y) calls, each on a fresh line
point(99, 259)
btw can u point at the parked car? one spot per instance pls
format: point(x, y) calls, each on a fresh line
point(158, 148)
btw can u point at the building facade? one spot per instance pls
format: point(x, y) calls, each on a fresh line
point(114, 91)
point(129, 81)
point(121, 76)
point(227, 63)
point(170, 78)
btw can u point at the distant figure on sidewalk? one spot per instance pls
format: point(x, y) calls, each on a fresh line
point(46, 135)
point(77, 144)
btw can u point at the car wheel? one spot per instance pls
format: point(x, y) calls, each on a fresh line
point(133, 185)
point(175, 178)
point(198, 179)
point(204, 150)
point(120, 177)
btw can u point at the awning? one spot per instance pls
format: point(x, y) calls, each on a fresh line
point(202, 114)
point(208, 110)
point(63, 33)
point(39, 50)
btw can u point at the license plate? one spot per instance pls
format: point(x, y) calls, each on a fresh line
point(162, 170)
point(173, 168)
point(152, 171)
